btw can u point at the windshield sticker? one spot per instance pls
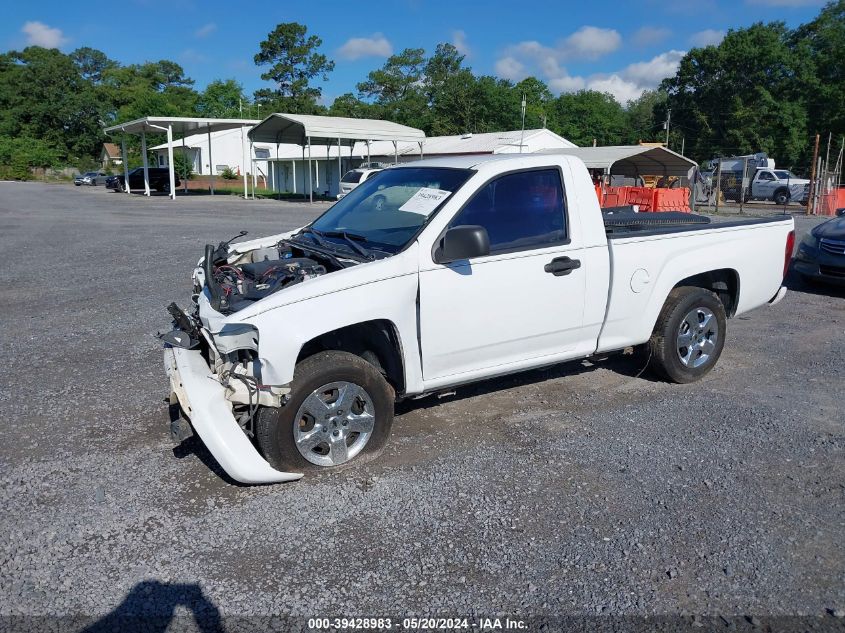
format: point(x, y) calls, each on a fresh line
point(425, 201)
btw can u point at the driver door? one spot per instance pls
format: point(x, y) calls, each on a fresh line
point(523, 301)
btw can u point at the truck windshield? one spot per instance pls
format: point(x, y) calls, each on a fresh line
point(388, 209)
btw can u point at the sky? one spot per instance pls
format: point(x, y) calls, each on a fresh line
point(613, 46)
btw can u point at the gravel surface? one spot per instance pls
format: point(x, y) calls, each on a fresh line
point(579, 490)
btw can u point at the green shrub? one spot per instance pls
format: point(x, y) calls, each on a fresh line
point(183, 166)
point(228, 174)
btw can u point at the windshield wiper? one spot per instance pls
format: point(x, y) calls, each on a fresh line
point(350, 238)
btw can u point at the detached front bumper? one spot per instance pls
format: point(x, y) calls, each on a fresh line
point(203, 401)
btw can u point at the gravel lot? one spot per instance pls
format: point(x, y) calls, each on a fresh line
point(579, 490)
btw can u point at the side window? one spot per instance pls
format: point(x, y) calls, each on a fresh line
point(766, 175)
point(520, 211)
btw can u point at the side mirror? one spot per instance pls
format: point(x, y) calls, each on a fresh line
point(462, 242)
point(840, 213)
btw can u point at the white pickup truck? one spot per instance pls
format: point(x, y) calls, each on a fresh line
point(778, 185)
point(435, 274)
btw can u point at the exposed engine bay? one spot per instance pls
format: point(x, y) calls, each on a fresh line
point(236, 282)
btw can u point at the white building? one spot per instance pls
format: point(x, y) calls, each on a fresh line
point(227, 150)
point(284, 167)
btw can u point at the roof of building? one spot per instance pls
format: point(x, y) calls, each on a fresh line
point(326, 130)
point(631, 160)
point(484, 143)
point(180, 125)
point(111, 150)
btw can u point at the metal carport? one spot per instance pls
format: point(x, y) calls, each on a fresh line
point(309, 129)
point(630, 160)
point(183, 126)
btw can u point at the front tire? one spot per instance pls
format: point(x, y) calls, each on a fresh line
point(340, 408)
point(781, 197)
point(689, 335)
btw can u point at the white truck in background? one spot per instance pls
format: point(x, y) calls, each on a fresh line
point(439, 273)
point(761, 180)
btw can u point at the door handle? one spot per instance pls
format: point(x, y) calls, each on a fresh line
point(562, 266)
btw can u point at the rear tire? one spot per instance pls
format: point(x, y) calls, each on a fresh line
point(689, 335)
point(313, 432)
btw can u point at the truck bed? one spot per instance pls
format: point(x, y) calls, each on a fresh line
point(648, 257)
point(626, 224)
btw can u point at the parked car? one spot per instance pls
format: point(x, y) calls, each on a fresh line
point(821, 254)
point(92, 178)
point(353, 178)
point(439, 273)
point(159, 179)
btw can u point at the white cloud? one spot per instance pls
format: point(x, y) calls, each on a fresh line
point(205, 30)
point(623, 89)
point(707, 37)
point(459, 41)
point(530, 56)
point(510, 68)
point(39, 34)
point(567, 83)
point(357, 47)
point(625, 84)
point(650, 73)
point(591, 42)
point(649, 35)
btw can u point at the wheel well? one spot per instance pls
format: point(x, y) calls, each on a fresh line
point(781, 190)
point(724, 283)
point(376, 341)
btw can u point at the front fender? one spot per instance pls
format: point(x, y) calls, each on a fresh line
point(284, 329)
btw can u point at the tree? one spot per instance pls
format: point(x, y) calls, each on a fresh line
point(348, 105)
point(293, 61)
point(221, 99)
point(18, 155)
point(440, 67)
point(748, 94)
point(43, 96)
point(396, 88)
point(92, 63)
point(587, 116)
point(537, 101)
point(182, 166)
point(823, 42)
point(641, 124)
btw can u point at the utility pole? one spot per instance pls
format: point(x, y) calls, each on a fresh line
point(522, 134)
point(812, 193)
point(668, 120)
point(718, 183)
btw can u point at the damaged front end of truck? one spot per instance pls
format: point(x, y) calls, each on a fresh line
point(214, 364)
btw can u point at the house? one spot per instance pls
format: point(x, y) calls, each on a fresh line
point(110, 155)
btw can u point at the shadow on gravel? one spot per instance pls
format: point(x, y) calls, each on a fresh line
point(794, 282)
point(630, 365)
point(193, 446)
point(151, 607)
